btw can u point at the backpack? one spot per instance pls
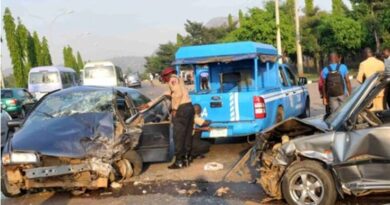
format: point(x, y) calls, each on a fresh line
point(334, 82)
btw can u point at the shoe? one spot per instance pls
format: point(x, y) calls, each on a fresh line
point(178, 164)
point(187, 160)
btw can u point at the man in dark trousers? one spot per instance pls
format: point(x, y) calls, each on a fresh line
point(337, 84)
point(182, 118)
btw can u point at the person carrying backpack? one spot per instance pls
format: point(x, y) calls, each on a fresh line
point(337, 84)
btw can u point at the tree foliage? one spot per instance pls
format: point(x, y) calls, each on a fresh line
point(26, 50)
point(72, 61)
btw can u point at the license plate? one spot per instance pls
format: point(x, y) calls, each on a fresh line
point(218, 132)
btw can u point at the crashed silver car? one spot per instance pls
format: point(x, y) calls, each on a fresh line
point(313, 161)
point(85, 138)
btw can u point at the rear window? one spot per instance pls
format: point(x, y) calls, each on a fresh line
point(6, 94)
point(240, 80)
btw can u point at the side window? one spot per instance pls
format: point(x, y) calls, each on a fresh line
point(290, 77)
point(282, 77)
point(138, 98)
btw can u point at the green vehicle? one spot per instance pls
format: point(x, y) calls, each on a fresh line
point(16, 101)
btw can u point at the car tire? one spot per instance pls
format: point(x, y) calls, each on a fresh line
point(135, 160)
point(309, 181)
point(306, 113)
point(279, 115)
point(6, 188)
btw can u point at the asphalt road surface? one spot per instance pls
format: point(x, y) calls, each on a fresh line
point(193, 185)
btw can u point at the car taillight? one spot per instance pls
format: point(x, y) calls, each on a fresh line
point(11, 102)
point(259, 107)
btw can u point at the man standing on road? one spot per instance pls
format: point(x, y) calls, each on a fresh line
point(337, 84)
point(182, 117)
point(368, 67)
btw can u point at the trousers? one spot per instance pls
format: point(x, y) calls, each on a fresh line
point(183, 124)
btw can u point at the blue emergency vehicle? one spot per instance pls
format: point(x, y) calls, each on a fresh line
point(248, 90)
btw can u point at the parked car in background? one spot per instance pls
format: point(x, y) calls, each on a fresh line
point(85, 138)
point(133, 80)
point(16, 101)
point(45, 79)
point(313, 161)
point(103, 73)
point(249, 90)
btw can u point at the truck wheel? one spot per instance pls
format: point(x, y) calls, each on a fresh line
point(306, 112)
point(308, 182)
point(6, 188)
point(135, 161)
point(279, 115)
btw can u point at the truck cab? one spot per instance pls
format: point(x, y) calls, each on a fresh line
point(247, 89)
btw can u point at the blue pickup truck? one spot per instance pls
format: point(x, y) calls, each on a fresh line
point(242, 88)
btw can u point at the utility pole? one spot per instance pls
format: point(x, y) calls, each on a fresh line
point(298, 40)
point(278, 38)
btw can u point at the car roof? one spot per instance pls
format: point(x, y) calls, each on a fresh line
point(225, 49)
point(51, 68)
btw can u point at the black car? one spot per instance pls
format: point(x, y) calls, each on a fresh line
point(313, 161)
point(85, 138)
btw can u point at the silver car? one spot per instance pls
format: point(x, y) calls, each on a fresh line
point(133, 80)
point(313, 161)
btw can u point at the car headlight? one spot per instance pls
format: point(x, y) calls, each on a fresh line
point(20, 158)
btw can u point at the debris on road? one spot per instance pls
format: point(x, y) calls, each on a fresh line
point(116, 185)
point(213, 166)
point(105, 193)
point(144, 191)
point(137, 183)
point(221, 191)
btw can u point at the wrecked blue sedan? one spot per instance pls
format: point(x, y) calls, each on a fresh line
point(84, 138)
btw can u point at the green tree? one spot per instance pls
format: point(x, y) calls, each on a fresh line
point(309, 8)
point(37, 48)
point(45, 53)
point(338, 7)
point(80, 62)
point(14, 48)
point(340, 33)
point(259, 25)
point(231, 21)
point(164, 57)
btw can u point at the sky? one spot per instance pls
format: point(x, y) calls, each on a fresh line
point(101, 29)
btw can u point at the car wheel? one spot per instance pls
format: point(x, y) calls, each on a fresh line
point(7, 189)
point(135, 161)
point(308, 182)
point(306, 112)
point(279, 115)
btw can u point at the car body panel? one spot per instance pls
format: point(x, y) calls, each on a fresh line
point(24, 100)
point(357, 156)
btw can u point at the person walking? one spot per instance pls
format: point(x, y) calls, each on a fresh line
point(367, 68)
point(336, 83)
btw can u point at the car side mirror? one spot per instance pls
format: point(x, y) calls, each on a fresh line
point(302, 81)
point(12, 124)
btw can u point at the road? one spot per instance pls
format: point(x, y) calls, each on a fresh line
point(193, 185)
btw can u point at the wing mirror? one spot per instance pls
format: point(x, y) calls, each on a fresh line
point(302, 81)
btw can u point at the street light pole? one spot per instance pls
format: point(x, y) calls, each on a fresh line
point(278, 38)
point(298, 40)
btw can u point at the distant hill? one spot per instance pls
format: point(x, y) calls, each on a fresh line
point(135, 63)
point(218, 22)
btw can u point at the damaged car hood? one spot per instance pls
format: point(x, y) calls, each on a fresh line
point(76, 136)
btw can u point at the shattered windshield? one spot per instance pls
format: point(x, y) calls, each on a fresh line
point(70, 103)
